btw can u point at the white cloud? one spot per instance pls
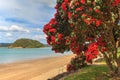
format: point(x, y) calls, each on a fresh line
point(14, 28)
point(3, 28)
point(35, 12)
point(50, 3)
point(8, 34)
point(38, 29)
point(8, 4)
point(15, 3)
point(18, 28)
point(38, 37)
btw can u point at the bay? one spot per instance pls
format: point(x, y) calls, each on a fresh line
point(10, 55)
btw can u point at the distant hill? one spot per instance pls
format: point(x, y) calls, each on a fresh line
point(26, 43)
point(5, 44)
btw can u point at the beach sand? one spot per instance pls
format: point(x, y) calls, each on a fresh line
point(39, 69)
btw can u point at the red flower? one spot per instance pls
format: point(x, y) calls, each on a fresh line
point(69, 15)
point(82, 1)
point(96, 52)
point(98, 22)
point(53, 39)
point(87, 21)
point(46, 28)
point(53, 30)
point(64, 6)
point(83, 15)
point(79, 9)
point(92, 51)
point(60, 36)
point(66, 1)
point(116, 2)
point(77, 3)
point(97, 11)
point(78, 49)
point(53, 21)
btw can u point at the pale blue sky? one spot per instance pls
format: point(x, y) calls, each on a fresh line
point(24, 19)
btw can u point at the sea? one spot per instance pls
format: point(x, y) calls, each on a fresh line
point(11, 55)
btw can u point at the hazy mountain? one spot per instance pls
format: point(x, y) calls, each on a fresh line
point(5, 44)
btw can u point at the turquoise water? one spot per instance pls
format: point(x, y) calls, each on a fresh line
point(13, 55)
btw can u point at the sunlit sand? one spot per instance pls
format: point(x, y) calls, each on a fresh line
point(40, 69)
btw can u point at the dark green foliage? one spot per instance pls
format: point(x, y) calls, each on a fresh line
point(26, 43)
point(76, 63)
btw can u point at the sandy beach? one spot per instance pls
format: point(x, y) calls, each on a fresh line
point(39, 69)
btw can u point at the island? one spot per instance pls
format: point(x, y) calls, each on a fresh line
point(26, 43)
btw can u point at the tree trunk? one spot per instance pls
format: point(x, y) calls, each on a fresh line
point(112, 64)
point(108, 63)
point(116, 66)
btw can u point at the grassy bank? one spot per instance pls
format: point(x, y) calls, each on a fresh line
point(95, 72)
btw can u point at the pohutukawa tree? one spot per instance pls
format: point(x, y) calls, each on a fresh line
point(86, 27)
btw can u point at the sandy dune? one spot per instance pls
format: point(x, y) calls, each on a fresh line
point(40, 69)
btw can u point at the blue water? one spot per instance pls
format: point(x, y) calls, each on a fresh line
point(8, 55)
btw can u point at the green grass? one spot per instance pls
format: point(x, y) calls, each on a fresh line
point(95, 72)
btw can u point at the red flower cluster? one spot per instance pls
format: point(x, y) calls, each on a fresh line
point(98, 22)
point(51, 31)
point(91, 20)
point(49, 27)
point(65, 4)
point(116, 2)
point(69, 15)
point(91, 52)
point(79, 9)
point(75, 47)
point(82, 1)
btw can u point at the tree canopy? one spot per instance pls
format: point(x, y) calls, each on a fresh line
point(86, 26)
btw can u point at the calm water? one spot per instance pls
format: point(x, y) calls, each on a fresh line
point(14, 55)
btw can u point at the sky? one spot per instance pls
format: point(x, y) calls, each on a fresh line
point(24, 19)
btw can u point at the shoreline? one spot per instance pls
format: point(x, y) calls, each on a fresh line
point(37, 69)
point(33, 59)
